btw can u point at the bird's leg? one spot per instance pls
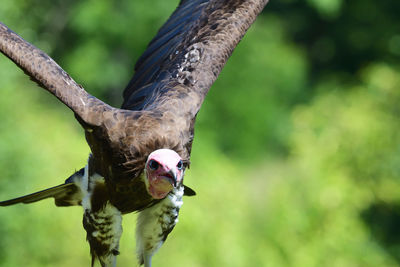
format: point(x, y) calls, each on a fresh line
point(103, 233)
point(147, 259)
point(155, 223)
point(101, 220)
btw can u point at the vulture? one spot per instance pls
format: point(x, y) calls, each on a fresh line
point(139, 152)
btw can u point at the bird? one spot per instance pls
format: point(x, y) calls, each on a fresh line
point(140, 152)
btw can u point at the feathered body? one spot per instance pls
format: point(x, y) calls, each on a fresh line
point(139, 152)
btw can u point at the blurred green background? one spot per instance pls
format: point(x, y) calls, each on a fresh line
point(296, 159)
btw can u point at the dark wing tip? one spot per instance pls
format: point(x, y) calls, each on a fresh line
point(187, 191)
point(37, 196)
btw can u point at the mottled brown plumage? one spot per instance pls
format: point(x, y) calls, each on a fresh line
point(161, 101)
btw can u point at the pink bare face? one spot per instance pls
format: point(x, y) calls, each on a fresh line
point(164, 171)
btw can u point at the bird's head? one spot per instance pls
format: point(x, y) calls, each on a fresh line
point(164, 171)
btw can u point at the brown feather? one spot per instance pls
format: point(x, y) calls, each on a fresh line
point(42, 69)
point(160, 103)
point(120, 146)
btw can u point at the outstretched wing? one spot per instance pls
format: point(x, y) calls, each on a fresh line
point(189, 51)
point(49, 75)
point(181, 62)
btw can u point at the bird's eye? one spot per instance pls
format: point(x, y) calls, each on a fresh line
point(179, 165)
point(153, 164)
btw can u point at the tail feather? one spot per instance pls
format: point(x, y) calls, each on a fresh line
point(58, 192)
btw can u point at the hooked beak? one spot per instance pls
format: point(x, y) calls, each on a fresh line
point(172, 176)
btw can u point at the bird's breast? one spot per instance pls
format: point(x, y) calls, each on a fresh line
point(131, 195)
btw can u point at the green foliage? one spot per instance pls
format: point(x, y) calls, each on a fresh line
point(297, 150)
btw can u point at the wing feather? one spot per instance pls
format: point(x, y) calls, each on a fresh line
point(160, 48)
point(48, 74)
point(56, 192)
point(189, 51)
